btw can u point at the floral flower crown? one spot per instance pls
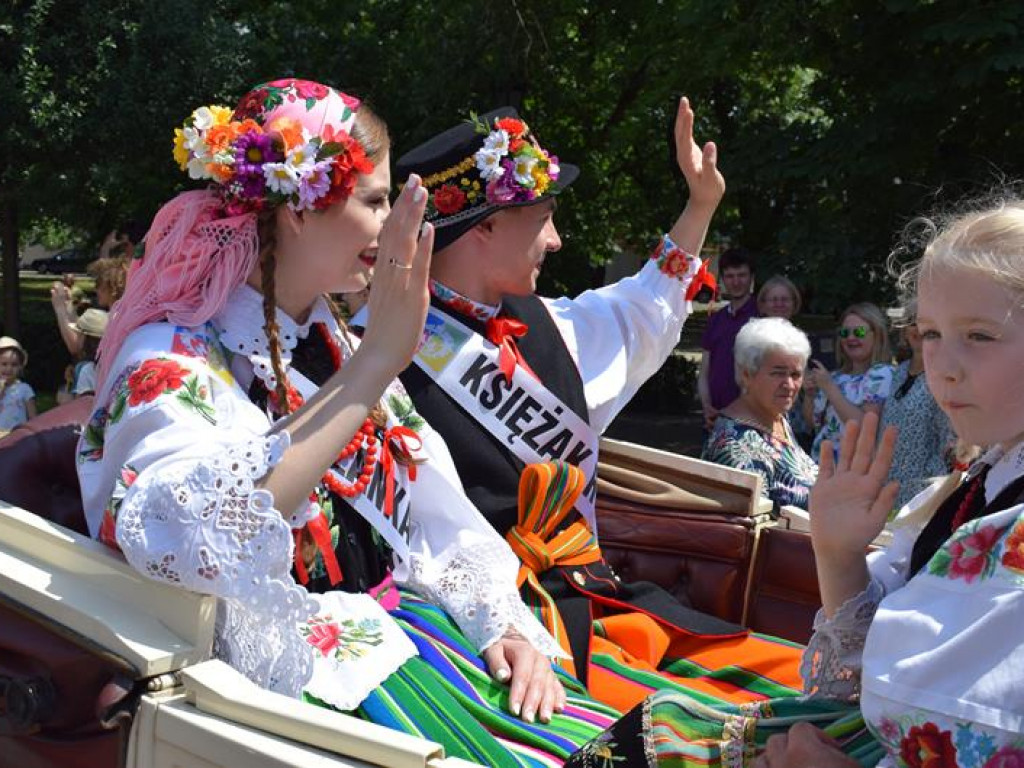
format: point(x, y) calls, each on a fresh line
point(279, 162)
point(512, 164)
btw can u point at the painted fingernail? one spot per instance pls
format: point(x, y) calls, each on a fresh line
point(425, 228)
point(515, 705)
point(528, 716)
point(545, 715)
point(502, 675)
point(413, 181)
point(419, 195)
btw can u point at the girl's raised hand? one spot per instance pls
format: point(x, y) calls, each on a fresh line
point(699, 166)
point(851, 500)
point(399, 297)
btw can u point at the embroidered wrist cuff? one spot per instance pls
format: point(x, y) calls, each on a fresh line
point(675, 262)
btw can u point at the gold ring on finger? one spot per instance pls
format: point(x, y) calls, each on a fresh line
point(399, 265)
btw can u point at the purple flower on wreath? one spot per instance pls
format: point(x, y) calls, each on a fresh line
point(505, 188)
point(553, 168)
point(314, 184)
point(252, 151)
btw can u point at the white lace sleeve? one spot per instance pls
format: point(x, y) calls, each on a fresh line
point(181, 454)
point(459, 562)
point(831, 664)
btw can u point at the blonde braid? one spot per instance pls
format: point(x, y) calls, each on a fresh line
point(268, 268)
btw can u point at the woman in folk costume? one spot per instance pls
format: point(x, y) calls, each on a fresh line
point(925, 637)
point(244, 446)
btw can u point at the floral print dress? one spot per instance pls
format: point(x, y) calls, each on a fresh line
point(871, 387)
point(788, 472)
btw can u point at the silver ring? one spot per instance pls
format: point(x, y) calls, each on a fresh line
point(396, 263)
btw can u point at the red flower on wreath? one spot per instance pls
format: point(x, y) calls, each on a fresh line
point(925, 746)
point(1013, 553)
point(153, 378)
point(324, 637)
point(512, 126)
point(252, 105)
point(449, 199)
point(345, 167)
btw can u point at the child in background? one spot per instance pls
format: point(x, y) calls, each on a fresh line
point(17, 399)
point(91, 325)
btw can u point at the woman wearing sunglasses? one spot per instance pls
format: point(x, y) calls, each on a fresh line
point(862, 381)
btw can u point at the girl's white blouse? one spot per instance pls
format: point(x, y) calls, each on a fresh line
point(937, 659)
point(179, 460)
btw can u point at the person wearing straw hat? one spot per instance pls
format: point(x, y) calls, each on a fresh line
point(511, 380)
point(17, 398)
point(91, 325)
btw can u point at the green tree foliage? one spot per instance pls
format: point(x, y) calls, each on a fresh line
point(837, 120)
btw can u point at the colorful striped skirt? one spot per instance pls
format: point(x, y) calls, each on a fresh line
point(672, 730)
point(446, 695)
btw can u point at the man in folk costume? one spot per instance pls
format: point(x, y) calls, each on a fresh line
point(511, 379)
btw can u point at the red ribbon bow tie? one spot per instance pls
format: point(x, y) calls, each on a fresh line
point(502, 333)
point(408, 443)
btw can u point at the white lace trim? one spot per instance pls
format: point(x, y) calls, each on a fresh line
point(469, 589)
point(203, 525)
point(832, 662)
point(240, 326)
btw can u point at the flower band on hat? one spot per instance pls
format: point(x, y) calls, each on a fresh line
point(512, 164)
point(288, 142)
point(480, 166)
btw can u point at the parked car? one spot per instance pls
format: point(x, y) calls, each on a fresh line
point(69, 260)
point(101, 667)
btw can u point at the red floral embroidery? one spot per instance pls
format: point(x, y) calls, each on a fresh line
point(108, 530)
point(1007, 757)
point(324, 637)
point(1013, 554)
point(153, 378)
point(449, 199)
point(969, 556)
point(925, 746)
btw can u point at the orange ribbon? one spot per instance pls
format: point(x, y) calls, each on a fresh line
point(503, 332)
point(547, 493)
point(399, 435)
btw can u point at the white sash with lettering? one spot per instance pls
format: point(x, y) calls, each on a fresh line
point(370, 504)
point(535, 425)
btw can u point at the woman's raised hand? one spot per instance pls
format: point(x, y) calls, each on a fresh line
point(399, 298)
point(699, 166)
point(851, 500)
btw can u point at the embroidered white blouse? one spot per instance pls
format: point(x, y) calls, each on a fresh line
point(938, 660)
point(169, 466)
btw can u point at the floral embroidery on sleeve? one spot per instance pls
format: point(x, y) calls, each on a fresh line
point(160, 376)
point(1013, 551)
point(673, 260)
point(919, 743)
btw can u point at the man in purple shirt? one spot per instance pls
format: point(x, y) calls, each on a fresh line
point(716, 383)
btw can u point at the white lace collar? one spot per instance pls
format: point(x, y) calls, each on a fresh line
point(242, 330)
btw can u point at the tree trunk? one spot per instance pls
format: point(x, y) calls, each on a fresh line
point(12, 299)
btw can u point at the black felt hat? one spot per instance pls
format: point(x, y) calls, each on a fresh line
point(480, 166)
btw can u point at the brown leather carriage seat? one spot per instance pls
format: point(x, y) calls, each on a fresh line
point(37, 465)
point(702, 531)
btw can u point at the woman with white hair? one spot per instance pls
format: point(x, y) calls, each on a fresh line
point(753, 432)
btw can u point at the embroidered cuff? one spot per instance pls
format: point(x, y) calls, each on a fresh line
point(674, 262)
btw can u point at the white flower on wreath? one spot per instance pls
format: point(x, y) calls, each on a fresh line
point(497, 141)
point(203, 119)
point(525, 164)
point(489, 164)
point(281, 178)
